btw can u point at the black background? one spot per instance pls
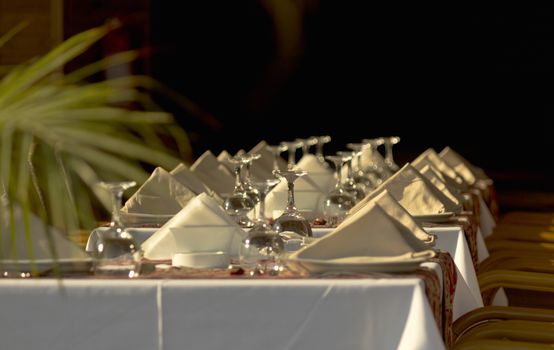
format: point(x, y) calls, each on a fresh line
point(477, 77)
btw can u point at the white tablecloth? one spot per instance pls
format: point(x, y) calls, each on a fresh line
point(217, 314)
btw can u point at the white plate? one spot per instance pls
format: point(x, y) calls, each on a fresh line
point(441, 217)
point(44, 265)
point(316, 266)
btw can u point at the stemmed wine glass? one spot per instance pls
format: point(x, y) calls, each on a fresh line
point(276, 151)
point(291, 219)
point(369, 180)
point(117, 251)
point(338, 202)
point(246, 160)
point(306, 144)
point(321, 140)
point(262, 247)
point(356, 190)
point(389, 159)
point(292, 147)
point(238, 203)
point(379, 168)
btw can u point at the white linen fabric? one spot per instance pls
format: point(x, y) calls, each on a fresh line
point(319, 175)
point(263, 167)
point(185, 176)
point(431, 157)
point(318, 314)
point(15, 247)
point(370, 232)
point(416, 193)
point(431, 174)
point(396, 212)
point(468, 171)
point(160, 194)
point(214, 174)
point(202, 225)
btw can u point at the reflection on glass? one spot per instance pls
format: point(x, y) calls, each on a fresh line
point(389, 159)
point(356, 190)
point(321, 140)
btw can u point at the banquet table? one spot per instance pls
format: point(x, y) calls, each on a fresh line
point(350, 313)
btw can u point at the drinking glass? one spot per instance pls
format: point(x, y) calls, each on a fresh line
point(276, 151)
point(117, 251)
point(379, 168)
point(261, 249)
point(389, 159)
point(367, 179)
point(238, 203)
point(321, 140)
point(291, 219)
point(292, 147)
point(338, 202)
point(356, 190)
point(306, 144)
point(246, 160)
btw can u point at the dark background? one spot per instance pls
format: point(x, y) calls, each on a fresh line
point(477, 77)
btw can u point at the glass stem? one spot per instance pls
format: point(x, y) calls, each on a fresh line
point(388, 152)
point(276, 161)
point(338, 170)
point(319, 152)
point(304, 150)
point(290, 205)
point(238, 182)
point(292, 161)
point(117, 197)
point(261, 212)
point(350, 176)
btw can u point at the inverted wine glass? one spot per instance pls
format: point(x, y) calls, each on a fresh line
point(356, 190)
point(238, 203)
point(321, 141)
point(292, 146)
point(276, 152)
point(291, 219)
point(262, 248)
point(389, 158)
point(338, 201)
point(117, 253)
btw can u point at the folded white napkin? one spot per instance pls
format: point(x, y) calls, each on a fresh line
point(319, 175)
point(468, 171)
point(371, 232)
point(161, 194)
point(183, 174)
point(430, 157)
point(371, 156)
point(266, 160)
point(201, 226)
point(396, 212)
point(16, 246)
point(415, 193)
point(436, 179)
point(223, 157)
point(214, 174)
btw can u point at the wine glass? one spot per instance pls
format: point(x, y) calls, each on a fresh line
point(238, 203)
point(389, 159)
point(338, 202)
point(306, 144)
point(276, 151)
point(321, 140)
point(262, 247)
point(291, 219)
point(292, 147)
point(246, 160)
point(368, 180)
point(375, 163)
point(117, 251)
point(357, 190)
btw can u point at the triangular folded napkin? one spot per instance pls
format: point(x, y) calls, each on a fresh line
point(416, 193)
point(214, 174)
point(161, 194)
point(201, 226)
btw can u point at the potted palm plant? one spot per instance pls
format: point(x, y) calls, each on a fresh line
point(60, 136)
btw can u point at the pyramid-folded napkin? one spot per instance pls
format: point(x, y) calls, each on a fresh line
point(202, 225)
